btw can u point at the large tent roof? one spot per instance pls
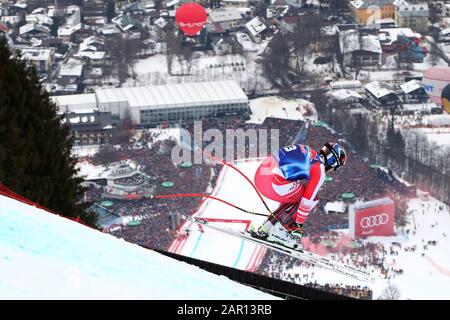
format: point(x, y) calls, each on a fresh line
point(175, 95)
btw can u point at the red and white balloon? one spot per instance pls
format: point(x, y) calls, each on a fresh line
point(191, 17)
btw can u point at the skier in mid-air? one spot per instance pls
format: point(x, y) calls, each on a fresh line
point(281, 177)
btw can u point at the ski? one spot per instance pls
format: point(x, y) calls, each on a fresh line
point(303, 255)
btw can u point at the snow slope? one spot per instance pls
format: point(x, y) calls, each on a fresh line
point(277, 107)
point(44, 256)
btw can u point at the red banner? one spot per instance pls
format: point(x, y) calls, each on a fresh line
point(373, 218)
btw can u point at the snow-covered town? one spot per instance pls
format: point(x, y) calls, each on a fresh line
point(132, 87)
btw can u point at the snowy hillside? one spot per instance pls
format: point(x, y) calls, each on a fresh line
point(43, 256)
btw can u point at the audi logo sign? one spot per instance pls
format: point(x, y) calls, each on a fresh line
point(372, 218)
point(372, 221)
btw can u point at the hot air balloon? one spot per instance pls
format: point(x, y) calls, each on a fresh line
point(445, 98)
point(435, 79)
point(191, 18)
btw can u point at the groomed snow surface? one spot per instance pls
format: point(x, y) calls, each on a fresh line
point(44, 256)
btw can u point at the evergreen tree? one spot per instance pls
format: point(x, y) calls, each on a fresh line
point(35, 148)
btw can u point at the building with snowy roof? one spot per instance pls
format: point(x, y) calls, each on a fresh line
point(444, 35)
point(412, 15)
point(358, 49)
point(72, 68)
point(413, 91)
point(152, 106)
point(255, 27)
point(155, 105)
point(347, 97)
point(225, 18)
point(41, 58)
point(346, 84)
point(235, 3)
point(34, 30)
point(381, 94)
point(79, 103)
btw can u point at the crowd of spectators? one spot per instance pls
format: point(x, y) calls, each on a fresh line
point(283, 267)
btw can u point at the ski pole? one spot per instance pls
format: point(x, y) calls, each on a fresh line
point(200, 195)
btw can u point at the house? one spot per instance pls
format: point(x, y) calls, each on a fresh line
point(411, 15)
point(34, 30)
point(72, 24)
point(72, 68)
point(413, 92)
point(235, 3)
point(42, 59)
point(82, 33)
point(229, 19)
point(108, 30)
point(70, 76)
point(255, 27)
point(358, 49)
point(65, 32)
point(94, 9)
point(92, 50)
point(89, 127)
point(381, 94)
point(39, 16)
point(172, 4)
point(126, 22)
point(346, 97)
point(354, 85)
point(367, 11)
point(444, 35)
point(92, 43)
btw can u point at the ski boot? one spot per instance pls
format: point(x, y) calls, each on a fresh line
point(287, 238)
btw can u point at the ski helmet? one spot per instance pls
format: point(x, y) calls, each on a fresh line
point(334, 155)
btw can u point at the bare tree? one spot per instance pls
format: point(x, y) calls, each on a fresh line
point(436, 50)
point(276, 60)
point(106, 154)
point(187, 55)
point(124, 130)
point(306, 33)
point(173, 48)
point(391, 292)
point(434, 12)
point(122, 52)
